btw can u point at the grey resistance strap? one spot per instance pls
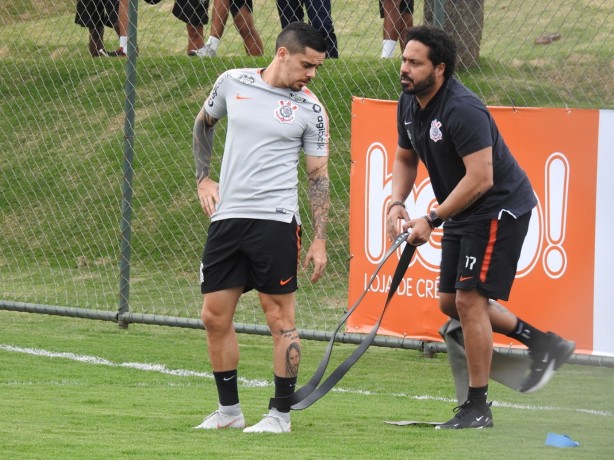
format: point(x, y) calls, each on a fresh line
point(311, 392)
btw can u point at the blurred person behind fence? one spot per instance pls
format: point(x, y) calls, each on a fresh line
point(319, 15)
point(95, 15)
point(243, 18)
point(398, 16)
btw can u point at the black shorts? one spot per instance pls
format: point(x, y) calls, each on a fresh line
point(97, 13)
point(405, 6)
point(236, 5)
point(253, 253)
point(193, 12)
point(482, 254)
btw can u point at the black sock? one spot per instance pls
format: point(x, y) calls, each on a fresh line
point(527, 334)
point(284, 387)
point(227, 390)
point(477, 395)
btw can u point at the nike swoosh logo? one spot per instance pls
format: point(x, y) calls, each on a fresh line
point(407, 123)
point(228, 425)
point(465, 278)
point(239, 97)
point(227, 379)
point(477, 419)
point(284, 282)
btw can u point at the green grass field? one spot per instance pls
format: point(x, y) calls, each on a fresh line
point(82, 389)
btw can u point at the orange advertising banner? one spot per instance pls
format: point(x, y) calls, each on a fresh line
point(553, 289)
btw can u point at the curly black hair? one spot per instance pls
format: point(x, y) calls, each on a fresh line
point(442, 47)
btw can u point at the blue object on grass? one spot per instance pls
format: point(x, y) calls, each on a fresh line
point(560, 440)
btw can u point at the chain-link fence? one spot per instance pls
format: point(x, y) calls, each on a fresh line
point(66, 135)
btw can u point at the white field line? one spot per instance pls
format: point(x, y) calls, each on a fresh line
point(256, 383)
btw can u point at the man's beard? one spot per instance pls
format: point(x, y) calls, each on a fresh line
point(422, 87)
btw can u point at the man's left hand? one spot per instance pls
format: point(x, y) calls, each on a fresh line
point(317, 256)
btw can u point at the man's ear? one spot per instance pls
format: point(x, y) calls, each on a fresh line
point(440, 69)
point(282, 52)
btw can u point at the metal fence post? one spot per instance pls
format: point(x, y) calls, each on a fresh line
point(126, 207)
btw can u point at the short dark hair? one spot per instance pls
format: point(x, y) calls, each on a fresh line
point(442, 47)
point(297, 36)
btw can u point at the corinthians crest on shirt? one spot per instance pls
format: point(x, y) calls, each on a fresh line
point(285, 113)
point(435, 133)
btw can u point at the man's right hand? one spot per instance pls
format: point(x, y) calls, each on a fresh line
point(395, 214)
point(208, 195)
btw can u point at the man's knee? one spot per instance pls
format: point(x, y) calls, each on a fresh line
point(471, 300)
point(209, 320)
point(214, 319)
point(279, 313)
point(279, 320)
point(447, 305)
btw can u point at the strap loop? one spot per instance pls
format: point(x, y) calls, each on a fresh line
point(310, 392)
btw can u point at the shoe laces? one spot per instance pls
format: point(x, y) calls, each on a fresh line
point(465, 408)
point(274, 417)
point(213, 414)
point(462, 410)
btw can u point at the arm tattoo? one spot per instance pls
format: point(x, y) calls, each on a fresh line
point(469, 203)
point(320, 203)
point(202, 144)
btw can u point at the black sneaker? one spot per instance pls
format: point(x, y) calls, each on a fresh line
point(469, 415)
point(546, 360)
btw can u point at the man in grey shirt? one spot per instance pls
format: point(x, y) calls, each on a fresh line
point(255, 233)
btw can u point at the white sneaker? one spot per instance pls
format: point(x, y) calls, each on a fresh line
point(271, 423)
point(219, 421)
point(205, 51)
